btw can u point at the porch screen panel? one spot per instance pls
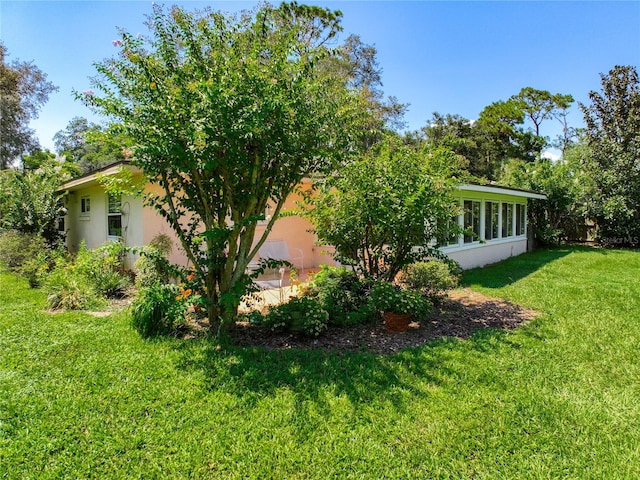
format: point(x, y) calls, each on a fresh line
point(520, 219)
point(491, 220)
point(471, 220)
point(507, 219)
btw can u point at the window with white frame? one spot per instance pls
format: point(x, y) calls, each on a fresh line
point(471, 221)
point(85, 206)
point(491, 220)
point(521, 219)
point(507, 219)
point(452, 231)
point(114, 216)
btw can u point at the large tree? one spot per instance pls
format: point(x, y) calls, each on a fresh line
point(91, 146)
point(560, 216)
point(227, 114)
point(613, 136)
point(357, 63)
point(500, 133)
point(23, 90)
point(540, 105)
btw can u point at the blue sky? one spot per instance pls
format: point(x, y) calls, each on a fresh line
point(450, 57)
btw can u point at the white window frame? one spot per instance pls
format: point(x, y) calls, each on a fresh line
point(475, 220)
point(267, 215)
point(114, 214)
point(85, 206)
point(520, 219)
point(508, 219)
point(492, 222)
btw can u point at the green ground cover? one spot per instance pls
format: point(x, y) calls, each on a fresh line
point(84, 397)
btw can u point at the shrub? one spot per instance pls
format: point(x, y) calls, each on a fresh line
point(17, 248)
point(300, 315)
point(157, 311)
point(35, 269)
point(80, 282)
point(104, 268)
point(432, 279)
point(69, 290)
point(152, 266)
point(386, 296)
point(342, 294)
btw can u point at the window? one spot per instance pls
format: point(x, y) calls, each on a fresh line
point(61, 225)
point(452, 234)
point(491, 220)
point(114, 216)
point(85, 206)
point(507, 220)
point(521, 219)
point(471, 221)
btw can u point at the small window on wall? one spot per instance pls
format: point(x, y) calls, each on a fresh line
point(507, 220)
point(114, 216)
point(61, 225)
point(491, 220)
point(85, 206)
point(471, 221)
point(521, 219)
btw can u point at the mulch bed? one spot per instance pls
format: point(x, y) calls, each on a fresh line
point(459, 316)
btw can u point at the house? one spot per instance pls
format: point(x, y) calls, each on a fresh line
point(496, 215)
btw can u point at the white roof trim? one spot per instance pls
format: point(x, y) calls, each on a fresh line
point(501, 190)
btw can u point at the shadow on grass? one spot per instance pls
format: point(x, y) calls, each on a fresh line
point(513, 269)
point(316, 378)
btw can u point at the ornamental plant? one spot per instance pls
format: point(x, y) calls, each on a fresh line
point(387, 297)
point(158, 310)
point(300, 315)
point(343, 294)
point(432, 279)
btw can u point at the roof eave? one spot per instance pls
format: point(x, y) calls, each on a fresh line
point(92, 178)
point(498, 189)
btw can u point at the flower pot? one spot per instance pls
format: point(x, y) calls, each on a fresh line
point(396, 322)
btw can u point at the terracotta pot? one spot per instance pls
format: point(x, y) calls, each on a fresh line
point(396, 322)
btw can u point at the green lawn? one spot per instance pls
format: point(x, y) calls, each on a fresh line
point(558, 398)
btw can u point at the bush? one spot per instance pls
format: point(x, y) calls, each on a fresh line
point(17, 248)
point(152, 266)
point(104, 268)
point(35, 269)
point(387, 297)
point(69, 290)
point(342, 294)
point(157, 311)
point(300, 315)
point(79, 283)
point(432, 279)
point(26, 254)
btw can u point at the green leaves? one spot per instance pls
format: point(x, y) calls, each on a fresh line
point(381, 207)
point(613, 137)
point(226, 114)
point(30, 202)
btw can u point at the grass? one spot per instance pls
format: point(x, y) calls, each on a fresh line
point(86, 397)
